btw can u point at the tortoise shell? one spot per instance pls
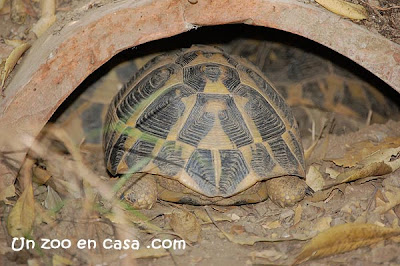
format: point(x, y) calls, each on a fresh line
point(209, 120)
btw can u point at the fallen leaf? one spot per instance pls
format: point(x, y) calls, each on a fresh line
point(272, 225)
point(150, 253)
point(324, 194)
point(59, 260)
point(39, 175)
point(373, 169)
point(186, 225)
point(269, 254)
point(53, 201)
point(2, 4)
point(343, 238)
point(7, 192)
point(361, 150)
point(202, 215)
point(345, 9)
point(237, 229)
point(251, 240)
point(22, 215)
point(297, 214)
point(11, 61)
point(323, 224)
point(134, 216)
point(314, 179)
point(332, 172)
point(393, 197)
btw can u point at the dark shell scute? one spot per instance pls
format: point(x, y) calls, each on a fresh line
point(198, 124)
point(194, 77)
point(267, 121)
point(261, 161)
point(200, 167)
point(271, 93)
point(212, 72)
point(233, 124)
point(141, 91)
point(283, 155)
point(186, 58)
point(169, 159)
point(231, 79)
point(117, 152)
point(233, 170)
point(298, 151)
point(158, 118)
point(230, 60)
point(139, 155)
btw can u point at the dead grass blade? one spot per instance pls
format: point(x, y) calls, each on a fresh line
point(343, 238)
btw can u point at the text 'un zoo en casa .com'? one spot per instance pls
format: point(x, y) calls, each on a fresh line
point(20, 243)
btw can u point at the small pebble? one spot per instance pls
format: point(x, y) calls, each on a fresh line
point(235, 217)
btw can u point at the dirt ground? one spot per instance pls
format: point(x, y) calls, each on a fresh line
point(77, 206)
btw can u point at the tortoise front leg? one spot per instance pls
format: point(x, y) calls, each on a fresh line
point(140, 192)
point(286, 190)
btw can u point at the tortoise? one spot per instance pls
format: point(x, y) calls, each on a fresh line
point(211, 125)
point(85, 117)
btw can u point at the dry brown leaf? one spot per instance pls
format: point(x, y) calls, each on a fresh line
point(40, 176)
point(7, 192)
point(202, 215)
point(343, 238)
point(393, 197)
point(272, 225)
point(186, 225)
point(22, 215)
point(323, 224)
point(314, 179)
point(150, 253)
point(250, 240)
point(361, 150)
point(332, 172)
point(345, 9)
point(324, 194)
point(237, 229)
point(389, 156)
point(269, 254)
point(53, 201)
point(374, 169)
point(2, 4)
point(11, 61)
point(59, 260)
point(43, 216)
point(378, 161)
point(297, 214)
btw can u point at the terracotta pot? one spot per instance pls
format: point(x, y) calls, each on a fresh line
point(61, 59)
